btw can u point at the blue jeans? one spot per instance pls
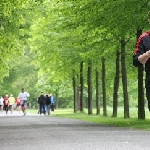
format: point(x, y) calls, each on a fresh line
point(42, 109)
point(47, 108)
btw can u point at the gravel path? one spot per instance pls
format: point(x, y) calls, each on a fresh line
point(34, 132)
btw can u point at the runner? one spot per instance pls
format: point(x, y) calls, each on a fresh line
point(11, 103)
point(6, 104)
point(23, 100)
point(1, 103)
point(18, 104)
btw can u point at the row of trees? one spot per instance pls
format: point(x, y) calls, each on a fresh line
point(86, 44)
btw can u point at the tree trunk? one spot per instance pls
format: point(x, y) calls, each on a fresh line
point(104, 87)
point(81, 86)
point(97, 93)
point(116, 86)
point(89, 87)
point(78, 98)
point(56, 99)
point(75, 93)
point(124, 80)
point(141, 110)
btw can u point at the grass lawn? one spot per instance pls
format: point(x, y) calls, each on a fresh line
point(132, 122)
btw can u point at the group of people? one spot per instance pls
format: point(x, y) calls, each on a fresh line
point(45, 103)
point(8, 102)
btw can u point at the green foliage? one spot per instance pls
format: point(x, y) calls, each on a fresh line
point(49, 39)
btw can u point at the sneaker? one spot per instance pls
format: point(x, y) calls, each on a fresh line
point(24, 113)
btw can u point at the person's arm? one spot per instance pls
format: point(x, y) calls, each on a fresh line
point(28, 95)
point(52, 99)
point(140, 56)
point(144, 57)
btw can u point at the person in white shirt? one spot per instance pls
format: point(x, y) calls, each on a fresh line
point(1, 103)
point(23, 100)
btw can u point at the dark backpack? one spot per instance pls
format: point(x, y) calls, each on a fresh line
point(41, 99)
point(47, 100)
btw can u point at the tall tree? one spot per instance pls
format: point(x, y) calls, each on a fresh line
point(104, 87)
point(141, 110)
point(81, 86)
point(97, 92)
point(116, 85)
point(89, 80)
point(124, 80)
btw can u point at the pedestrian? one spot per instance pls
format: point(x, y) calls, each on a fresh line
point(52, 102)
point(11, 103)
point(1, 103)
point(17, 101)
point(42, 102)
point(38, 105)
point(23, 100)
point(6, 103)
point(48, 103)
point(141, 56)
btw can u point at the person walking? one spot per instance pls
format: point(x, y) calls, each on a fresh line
point(48, 103)
point(23, 100)
point(17, 101)
point(1, 103)
point(141, 56)
point(42, 102)
point(6, 103)
point(52, 102)
point(11, 103)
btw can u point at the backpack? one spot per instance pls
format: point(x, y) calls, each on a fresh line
point(40, 100)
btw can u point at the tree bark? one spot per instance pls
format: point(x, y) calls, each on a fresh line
point(81, 86)
point(75, 92)
point(89, 87)
point(116, 85)
point(56, 99)
point(97, 93)
point(141, 110)
point(104, 88)
point(124, 80)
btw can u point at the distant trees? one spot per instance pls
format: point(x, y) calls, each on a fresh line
point(81, 48)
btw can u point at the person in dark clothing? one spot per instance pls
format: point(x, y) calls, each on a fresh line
point(41, 102)
point(141, 56)
point(48, 103)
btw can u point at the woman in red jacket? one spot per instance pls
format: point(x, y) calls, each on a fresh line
point(17, 101)
point(6, 103)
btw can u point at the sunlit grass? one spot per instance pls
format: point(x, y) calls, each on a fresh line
point(132, 122)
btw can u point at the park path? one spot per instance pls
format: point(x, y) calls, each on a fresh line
point(34, 132)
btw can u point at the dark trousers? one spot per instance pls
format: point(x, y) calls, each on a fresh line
point(148, 97)
point(147, 86)
point(42, 108)
point(6, 108)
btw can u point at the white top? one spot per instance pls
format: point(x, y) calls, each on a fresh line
point(1, 101)
point(23, 96)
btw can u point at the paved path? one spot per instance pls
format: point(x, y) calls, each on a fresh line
point(34, 132)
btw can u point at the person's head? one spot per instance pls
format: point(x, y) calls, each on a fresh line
point(6, 95)
point(11, 95)
point(149, 17)
point(42, 93)
point(22, 90)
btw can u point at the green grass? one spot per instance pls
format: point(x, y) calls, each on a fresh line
point(132, 122)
